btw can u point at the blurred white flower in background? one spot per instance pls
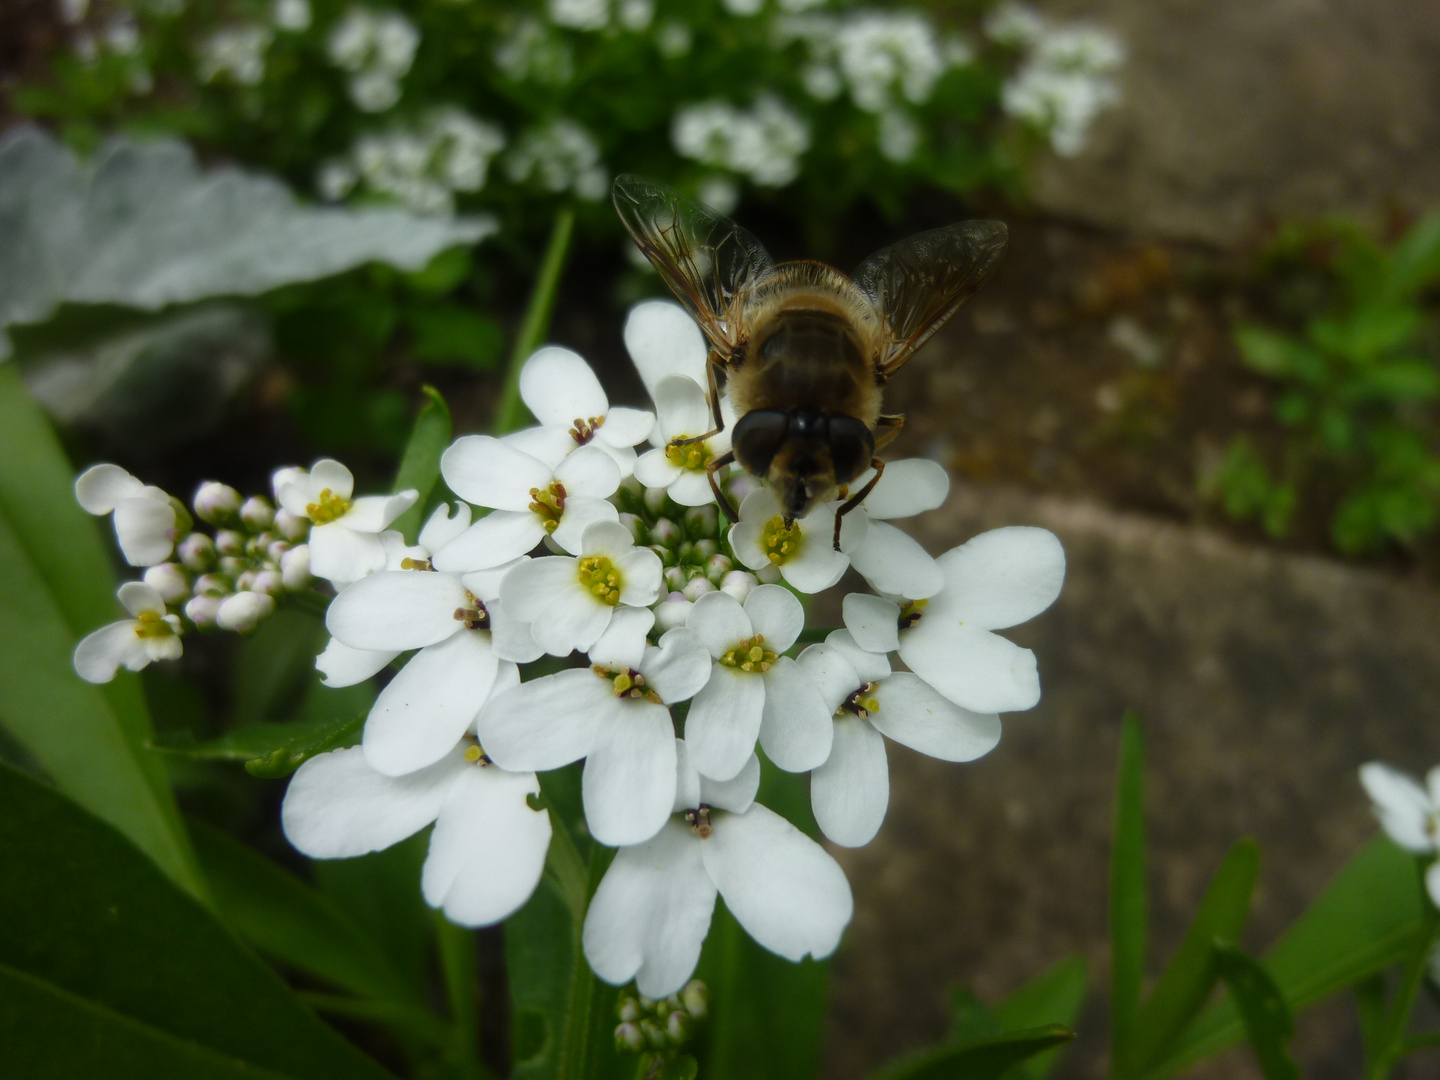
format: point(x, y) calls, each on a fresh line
point(559, 156)
point(293, 15)
point(580, 14)
point(377, 48)
point(532, 52)
point(236, 53)
point(764, 142)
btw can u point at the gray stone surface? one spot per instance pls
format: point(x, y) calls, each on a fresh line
point(1265, 679)
point(1237, 111)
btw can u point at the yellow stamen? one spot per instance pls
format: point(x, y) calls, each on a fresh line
point(693, 456)
point(600, 578)
point(327, 508)
point(152, 624)
point(628, 683)
point(749, 654)
point(780, 541)
point(548, 504)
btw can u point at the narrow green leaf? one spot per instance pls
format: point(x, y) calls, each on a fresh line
point(420, 467)
point(971, 1018)
point(511, 413)
point(88, 916)
point(1267, 1018)
point(1127, 889)
point(1188, 980)
point(269, 751)
point(458, 966)
point(1370, 1012)
point(981, 1059)
point(1053, 997)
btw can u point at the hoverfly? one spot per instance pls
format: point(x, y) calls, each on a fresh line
point(806, 351)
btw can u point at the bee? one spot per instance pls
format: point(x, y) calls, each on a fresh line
point(805, 350)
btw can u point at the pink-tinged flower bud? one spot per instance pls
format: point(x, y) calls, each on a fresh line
point(628, 1010)
point(697, 587)
point(666, 533)
point(716, 567)
point(291, 526)
point(202, 610)
point(675, 578)
point(677, 1027)
point(197, 552)
point(671, 612)
point(169, 580)
point(246, 581)
point(629, 1039)
point(257, 513)
point(701, 522)
point(268, 582)
point(276, 549)
point(212, 585)
point(244, 611)
point(232, 566)
point(738, 584)
point(295, 568)
point(636, 526)
point(216, 503)
point(695, 996)
point(230, 542)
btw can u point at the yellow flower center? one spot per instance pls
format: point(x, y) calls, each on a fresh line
point(600, 578)
point(584, 430)
point(628, 683)
point(327, 508)
point(548, 504)
point(151, 624)
point(693, 456)
point(749, 654)
point(779, 541)
point(911, 612)
point(861, 703)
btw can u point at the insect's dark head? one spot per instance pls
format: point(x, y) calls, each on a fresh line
point(803, 454)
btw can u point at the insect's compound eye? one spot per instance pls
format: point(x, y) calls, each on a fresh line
point(852, 447)
point(758, 435)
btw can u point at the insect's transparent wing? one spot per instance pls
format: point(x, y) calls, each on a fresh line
point(705, 258)
point(917, 284)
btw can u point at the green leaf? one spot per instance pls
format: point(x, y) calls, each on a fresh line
point(683, 1067)
point(1188, 980)
point(276, 665)
point(971, 1018)
point(1397, 381)
point(270, 751)
point(980, 1059)
point(1415, 260)
point(450, 334)
point(1370, 1012)
point(97, 942)
point(1262, 1008)
point(420, 467)
point(1365, 921)
point(1127, 888)
point(540, 955)
point(57, 587)
point(1265, 351)
point(1054, 997)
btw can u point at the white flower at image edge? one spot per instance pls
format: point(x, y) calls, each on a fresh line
point(652, 910)
point(997, 580)
point(684, 413)
point(145, 517)
point(488, 848)
point(1408, 812)
point(130, 643)
point(850, 792)
point(345, 534)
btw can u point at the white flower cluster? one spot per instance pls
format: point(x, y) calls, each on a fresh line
point(228, 581)
point(559, 156)
point(764, 142)
point(590, 548)
point(531, 52)
point(1409, 814)
point(1067, 76)
point(590, 15)
point(377, 49)
point(236, 53)
point(421, 167)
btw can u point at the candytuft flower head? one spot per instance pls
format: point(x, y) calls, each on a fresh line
point(802, 552)
point(562, 392)
point(344, 531)
point(133, 643)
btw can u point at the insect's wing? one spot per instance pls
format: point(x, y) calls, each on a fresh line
point(707, 260)
point(917, 284)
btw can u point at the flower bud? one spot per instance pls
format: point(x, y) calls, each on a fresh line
point(216, 503)
point(202, 610)
point(268, 582)
point(257, 513)
point(197, 552)
point(635, 525)
point(665, 532)
point(654, 500)
point(629, 1039)
point(169, 580)
point(701, 522)
point(703, 549)
point(738, 584)
point(695, 996)
point(677, 1027)
point(716, 567)
point(654, 1034)
point(628, 1010)
point(231, 566)
point(769, 575)
point(741, 484)
point(666, 556)
point(212, 585)
point(675, 578)
point(685, 552)
point(291, 526)
point(276, 549)
point(671, 612)
point(295, 568)
point(697, 587)
point(630, 496)
point(243, 611)
point(230, 542)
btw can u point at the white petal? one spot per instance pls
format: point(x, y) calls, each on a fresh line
point(663, 340)
point(139, 598)
point(623, 456)
point(687, 780)
point(893, 562)
point(581, 511)
point(498, 538)
point(692, 488)
point(337, 806)
point(912, 713)
point(974, 668)
point(720, 621)
point(510, 637)
point(100, 488)
point(144, 527)
point(294, 491)
point(851, 791)
point(606, 538)
point(396, 610)
point(548, 444)
point(654, 469)
point(795, 727)
point(343, 666)
point(678, 667)
point(724, 721)
point(397, 550)
point(483, 470)
point(625, 427)
point(101, 653)
point(563, 615)
point(559, 388)
point(444, 526)
point(651, 913)
point(909, 486)
point(783, 888)
point(420, 716)
point(371, 513)
point(589, 471)
point(831, 672)
point(735, 794)
point(873, 621)
point(622, 645)
point(681, 408)
point(629, 780)
point(870, 666)
point(547, 722)
point(745, 540)
point(775, 612)
point(1002, 577)
point(488, 848)
point(327, 473)
point(1401, 804)
point(1432, 882)
point(341, 555)
point(641, 576)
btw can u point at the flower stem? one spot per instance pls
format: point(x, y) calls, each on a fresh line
point(511, 413)
point(1392, 1044)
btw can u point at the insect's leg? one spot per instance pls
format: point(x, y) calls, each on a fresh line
point(886, 428)
point(714, 361)
point(859, 497)
point(720, 496)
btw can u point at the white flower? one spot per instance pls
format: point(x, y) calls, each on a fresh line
point(147, 521)
point(636, 15)
point(718, 192)
point(488, 848)
point(878, 51)
point(1014, 24)
point(335, 180)
point(899, 135)
point(1409, 813)
point(663, 340)
point(377, 49)
point(580, 14)
point(1065, 82)
point(821, 81)
point(674, 40)
point(743, 7)
point(291, 14)
point(683, 412)
point(753, 691)
point(569, 602)
point(531, 51)
point(130, 643)
point(560, 155)
point(345, 532)
point(765, 142)
point(803, 552)
point(244, 611)
point(851, 790)
point(531, 500)
point(652, 910)
point(374, 91)
point(614, 715)
point(997, 580)
point(889, 559)
point(237, 52)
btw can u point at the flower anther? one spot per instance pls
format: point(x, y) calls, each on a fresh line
point(601, 578)
point(475, 617)
point(911, 612)
point(699, 821)
point(409, 563)
point(781, 541)
point(582, 431)
point(749, 654)
point(862, 702)
point(548, 504)
point(694, 456)
point(327, 508)
point(156, 624)
point(628, 683)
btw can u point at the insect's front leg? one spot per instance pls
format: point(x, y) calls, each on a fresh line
point(714, 361)
point(859, 497)
point(886, 428)
point(720, 497)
